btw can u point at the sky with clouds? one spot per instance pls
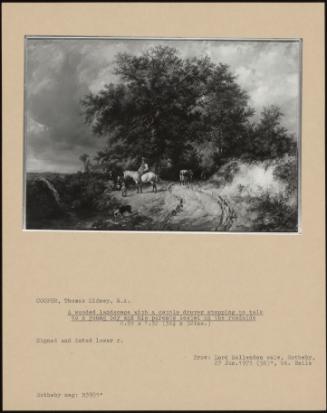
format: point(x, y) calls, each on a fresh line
point(59, 72)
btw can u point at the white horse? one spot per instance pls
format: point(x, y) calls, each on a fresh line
point(135, 176)
point(148, 177)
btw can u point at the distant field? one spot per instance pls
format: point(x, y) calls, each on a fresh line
point(47, 175)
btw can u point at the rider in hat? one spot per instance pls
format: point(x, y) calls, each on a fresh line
point(144, 167)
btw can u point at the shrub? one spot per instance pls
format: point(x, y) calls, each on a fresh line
point(287, 171)
point(41, 203)
point(273, 214)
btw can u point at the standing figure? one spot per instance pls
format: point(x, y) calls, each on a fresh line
point(123, 189)
point(119, 182)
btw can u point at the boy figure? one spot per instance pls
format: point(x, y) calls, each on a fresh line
point(123, 189)
point(119, 182)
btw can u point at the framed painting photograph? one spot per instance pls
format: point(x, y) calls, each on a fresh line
point(162, 134)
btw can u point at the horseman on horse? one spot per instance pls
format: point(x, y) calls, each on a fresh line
point(143, 176)
point(144, 167)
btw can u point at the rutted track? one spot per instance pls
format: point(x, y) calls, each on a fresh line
point(227, 213)
point(201, 210)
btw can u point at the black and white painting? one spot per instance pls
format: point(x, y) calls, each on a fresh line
point(131, 134)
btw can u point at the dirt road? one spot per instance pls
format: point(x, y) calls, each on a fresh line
point(202, 210)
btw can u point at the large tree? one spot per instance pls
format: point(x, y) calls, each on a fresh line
point(165, 107)
point(268, 138)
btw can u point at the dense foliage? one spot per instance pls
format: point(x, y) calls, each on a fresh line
point(179, 113)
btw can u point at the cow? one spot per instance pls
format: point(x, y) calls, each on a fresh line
point(185, 176)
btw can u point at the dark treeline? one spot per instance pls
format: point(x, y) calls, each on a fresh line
point(180, 113)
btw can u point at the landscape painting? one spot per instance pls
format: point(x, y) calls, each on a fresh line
point(145, 134)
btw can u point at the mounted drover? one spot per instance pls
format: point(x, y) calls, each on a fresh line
point(144, 167)
point(149, 177)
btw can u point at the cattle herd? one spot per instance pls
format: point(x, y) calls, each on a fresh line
point(185, 176)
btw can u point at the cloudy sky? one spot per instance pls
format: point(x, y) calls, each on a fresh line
point(59, 72)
